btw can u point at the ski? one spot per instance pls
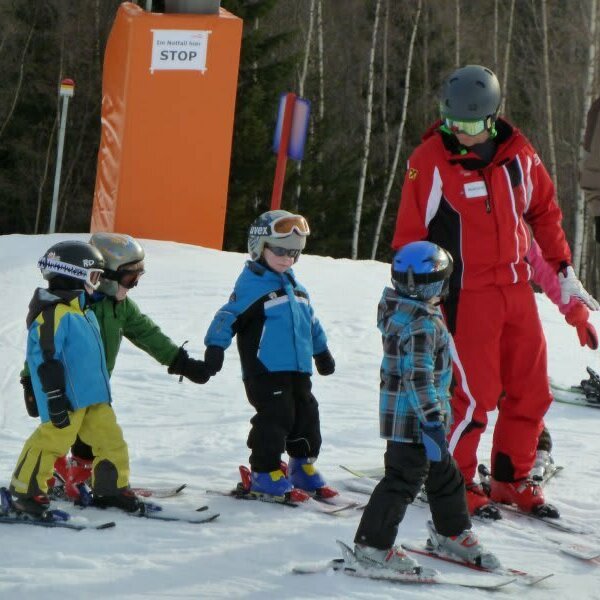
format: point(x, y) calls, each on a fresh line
point(52, 518)
point(151, 510)
point(326, 500)
point(308, 503)
point(572, 395)
point(521, 576)
point(373, 475)
point(560, 523)
point(159, 492)
point(350, 566)
point(58, 492)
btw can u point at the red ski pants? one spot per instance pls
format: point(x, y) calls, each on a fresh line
point(499, 346)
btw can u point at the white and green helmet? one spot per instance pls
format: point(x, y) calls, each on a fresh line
point(277, 228)
point(119, 251)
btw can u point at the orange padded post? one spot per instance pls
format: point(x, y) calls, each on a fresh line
point(168, 102)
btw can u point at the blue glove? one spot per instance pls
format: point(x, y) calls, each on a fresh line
point(433, 436)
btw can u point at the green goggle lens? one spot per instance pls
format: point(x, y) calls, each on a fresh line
point(468, 127)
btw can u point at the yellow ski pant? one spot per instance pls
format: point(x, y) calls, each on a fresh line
point(97, 426)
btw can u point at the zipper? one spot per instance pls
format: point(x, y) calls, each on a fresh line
point(488, 200)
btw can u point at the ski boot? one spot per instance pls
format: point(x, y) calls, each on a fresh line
point(35, 506)
point(527, 494)
point(591, 386)
point(465, 547)
point(542, 467)
point(124, 499)
point(303, 475)
point(69, 476)
point(273, 483)
point(479, 503)
point(393, 559)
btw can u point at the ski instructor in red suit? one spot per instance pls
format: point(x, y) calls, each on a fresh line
point(473, 186)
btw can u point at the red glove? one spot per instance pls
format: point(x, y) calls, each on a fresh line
point(578, 318)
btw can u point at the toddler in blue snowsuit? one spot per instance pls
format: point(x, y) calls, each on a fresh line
point(278, 335)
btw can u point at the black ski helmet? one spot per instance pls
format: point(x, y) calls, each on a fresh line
point(72, 260)
point(470, 93)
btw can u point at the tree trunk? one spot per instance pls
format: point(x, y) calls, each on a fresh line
point(507, 56)
point(11, 110)
point(579, 249)
point(384, 85)
point(457, 33)
point(392, 175)
point(550, 119)
point(367, 137)
point(301, 80)
point(321, 61)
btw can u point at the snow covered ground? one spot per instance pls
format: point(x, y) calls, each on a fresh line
point(185, 433)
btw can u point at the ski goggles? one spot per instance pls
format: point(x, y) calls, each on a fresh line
point(279, 251)
point(90, 276)
point(127, 277)
point(469, 127)
point(284, 226)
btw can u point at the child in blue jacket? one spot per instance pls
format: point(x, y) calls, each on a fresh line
point(414, 415)
point(277, 336)
point(66, 360)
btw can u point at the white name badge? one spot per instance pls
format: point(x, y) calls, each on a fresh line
point(475, 189)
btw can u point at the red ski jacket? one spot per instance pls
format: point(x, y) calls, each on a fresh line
point(478, 211)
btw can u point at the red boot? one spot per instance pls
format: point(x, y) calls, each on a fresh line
point(528, 495)
point(479, 504)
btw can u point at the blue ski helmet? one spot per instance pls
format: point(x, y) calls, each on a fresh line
point(421, 270)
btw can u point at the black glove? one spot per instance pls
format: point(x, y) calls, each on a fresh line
point(214, 357)
point(194, 370)
point(29, 396)
point(52, 376)
point(58, 407)
point(324, 362)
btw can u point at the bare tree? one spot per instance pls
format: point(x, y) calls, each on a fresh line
point(392, 174)
point(384, 86)
point(11, 110)
point(549, 117)
point(301, 80)
point(457, 35)
point(367, 135)
point(507, 56)
point(496, 27)
point(320, 60)
point(579, 248)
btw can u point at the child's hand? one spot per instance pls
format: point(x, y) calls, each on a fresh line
point(433, 435)
point(194, 370)
point(30, 403)
point(324, 362)
point(214, 357)
point(586, 332)
point(58, 407)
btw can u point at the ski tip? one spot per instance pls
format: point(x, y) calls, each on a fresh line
point(108, 525)
point(347, 552)
point(180, 489)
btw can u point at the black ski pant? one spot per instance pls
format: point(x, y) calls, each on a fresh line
point(286, 419)
point(406, 467)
